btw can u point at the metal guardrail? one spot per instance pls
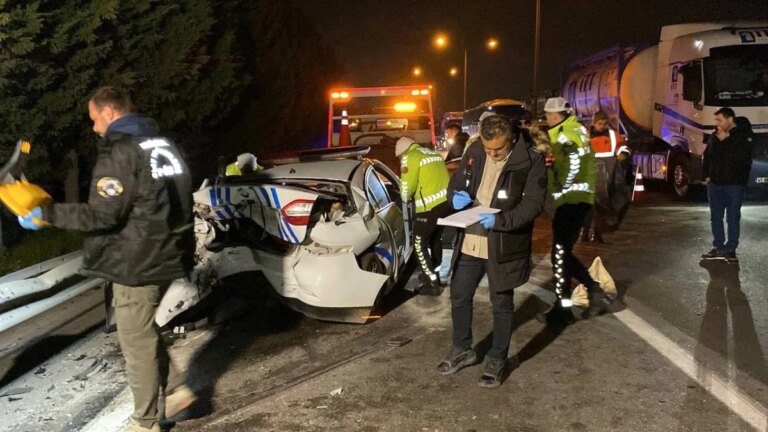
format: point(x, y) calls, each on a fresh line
point(38, 278)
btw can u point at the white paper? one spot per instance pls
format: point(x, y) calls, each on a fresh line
point(466, 218)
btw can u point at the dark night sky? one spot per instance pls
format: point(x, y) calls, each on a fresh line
point(379, 41)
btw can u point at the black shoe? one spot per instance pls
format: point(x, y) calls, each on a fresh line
point(599, 302)
point(428, 286)
point(430, 290)
point(715, 253)
point(496, 371)
point(597, 238)
point(731, 257)
point(457, 359)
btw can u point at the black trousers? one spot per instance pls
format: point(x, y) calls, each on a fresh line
point(569, 218)
point(468, 274)
point(427, 242)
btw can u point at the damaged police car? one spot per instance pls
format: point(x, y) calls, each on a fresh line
point(326, 228)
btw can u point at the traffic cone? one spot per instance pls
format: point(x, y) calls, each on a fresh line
point(639, 189)
point(345, 139)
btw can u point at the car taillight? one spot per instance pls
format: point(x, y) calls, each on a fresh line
point(297, 212)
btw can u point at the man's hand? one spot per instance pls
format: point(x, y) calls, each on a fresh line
point(33, 220)
point(487, 220)
point(721, 134)
point(460, 200)
point(705, 182)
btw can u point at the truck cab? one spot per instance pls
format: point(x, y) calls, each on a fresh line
point(704, 67)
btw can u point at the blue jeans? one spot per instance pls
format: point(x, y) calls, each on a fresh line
point(725, 201)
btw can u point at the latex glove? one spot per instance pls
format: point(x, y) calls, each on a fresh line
point(33, 220)
point(487, 220)
point(461, 199)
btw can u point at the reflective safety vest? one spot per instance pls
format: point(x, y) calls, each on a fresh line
point(571, 178)
point(607, 144)
point(423, 178)
point(234, 170)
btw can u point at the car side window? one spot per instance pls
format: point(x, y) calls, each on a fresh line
point(377, 193)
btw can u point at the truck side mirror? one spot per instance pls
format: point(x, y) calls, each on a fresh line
point(692, 83)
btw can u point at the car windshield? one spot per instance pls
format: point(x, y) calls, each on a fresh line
point(737, 76)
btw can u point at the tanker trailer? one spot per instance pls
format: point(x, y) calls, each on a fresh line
point(663, 98)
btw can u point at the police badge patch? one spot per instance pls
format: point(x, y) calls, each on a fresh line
point(109, 187)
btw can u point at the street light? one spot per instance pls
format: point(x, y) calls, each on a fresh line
point(441, 42)
point(454, 71)
point(416, 71)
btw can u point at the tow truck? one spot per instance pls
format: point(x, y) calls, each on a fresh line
point(378, 116)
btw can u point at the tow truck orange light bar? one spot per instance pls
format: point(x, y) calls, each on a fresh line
point(405, 107)
point(376, 91)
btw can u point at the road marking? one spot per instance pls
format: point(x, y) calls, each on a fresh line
point(750, 410)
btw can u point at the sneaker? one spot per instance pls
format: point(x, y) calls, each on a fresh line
point(132, 426)
point(181, 399)
point(496, 371)
point(715, 253)
point(457, 359)
point(730, 256)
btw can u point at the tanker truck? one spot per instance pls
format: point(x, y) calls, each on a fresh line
point(663, 97)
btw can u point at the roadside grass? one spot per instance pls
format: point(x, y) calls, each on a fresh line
point(38, 247)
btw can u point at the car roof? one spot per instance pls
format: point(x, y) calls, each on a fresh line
point(332, 170)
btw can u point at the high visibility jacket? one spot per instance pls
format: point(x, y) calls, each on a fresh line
point(608, 143)
point(234, 170)
point(571, 178)
point(423, 178)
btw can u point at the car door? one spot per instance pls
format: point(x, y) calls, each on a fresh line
point(390, 211)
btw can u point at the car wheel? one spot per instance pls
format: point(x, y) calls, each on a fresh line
point(371, 263)
point(678, 174)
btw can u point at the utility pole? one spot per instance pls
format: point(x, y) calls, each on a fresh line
point(537, 43)
point(465, 79)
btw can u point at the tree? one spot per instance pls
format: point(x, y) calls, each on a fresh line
point(182, 65)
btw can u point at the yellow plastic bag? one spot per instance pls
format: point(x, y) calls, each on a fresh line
point(599, 273)
point(21, 197)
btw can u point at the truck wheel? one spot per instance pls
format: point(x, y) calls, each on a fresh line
point(678, 174)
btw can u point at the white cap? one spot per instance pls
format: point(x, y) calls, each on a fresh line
point(486, 114)
point(246, 159)
point(557, 104)
point(402, 146)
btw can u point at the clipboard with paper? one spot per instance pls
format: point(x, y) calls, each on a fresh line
point(467, 217)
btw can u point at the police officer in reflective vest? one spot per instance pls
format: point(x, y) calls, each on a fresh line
point(611, 191)
point(424, 180)
point(246, 164)
point(571, 181)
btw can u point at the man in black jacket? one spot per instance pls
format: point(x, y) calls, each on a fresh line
point(726, 166)
point(138, 221)
point(459, 141)
point(503, 170)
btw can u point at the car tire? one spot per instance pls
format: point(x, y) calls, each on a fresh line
point(678, 174)
point(370, 262)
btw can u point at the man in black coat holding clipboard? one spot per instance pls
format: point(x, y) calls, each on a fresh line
point(503, 170)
